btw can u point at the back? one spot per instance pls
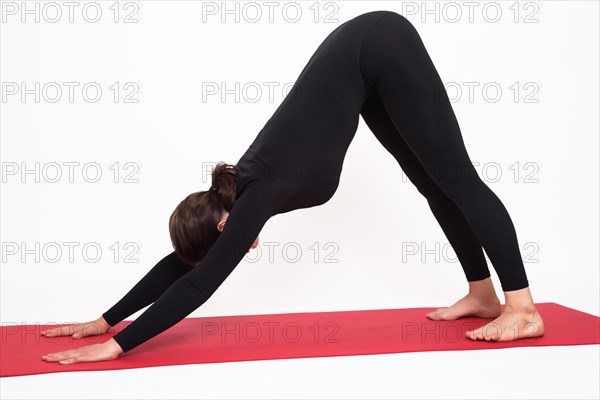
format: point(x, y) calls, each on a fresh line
point(302, 146)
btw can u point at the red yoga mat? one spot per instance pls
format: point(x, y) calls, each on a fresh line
point(281, 336)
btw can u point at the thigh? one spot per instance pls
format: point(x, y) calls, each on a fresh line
point(413, 95)
point(377, 119)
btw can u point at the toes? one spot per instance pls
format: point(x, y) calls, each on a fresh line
point(437, 314)
point(479, 333)
point(475, 335)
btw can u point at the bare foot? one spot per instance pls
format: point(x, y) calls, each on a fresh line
point(481, 301)
point(512, 324)
point(468, 306)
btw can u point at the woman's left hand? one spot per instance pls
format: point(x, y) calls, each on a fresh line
point(109, 350)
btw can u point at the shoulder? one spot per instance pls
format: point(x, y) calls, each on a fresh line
point(260, 196)
point(264, 187)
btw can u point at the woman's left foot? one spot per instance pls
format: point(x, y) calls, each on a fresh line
point(512, 324)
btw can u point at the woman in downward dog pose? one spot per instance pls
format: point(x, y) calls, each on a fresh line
point(374, 65)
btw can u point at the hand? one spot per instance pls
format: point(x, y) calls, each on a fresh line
point(97, 327)
point(109, 350)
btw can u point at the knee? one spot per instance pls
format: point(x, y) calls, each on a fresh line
point(431, 192)
point(457, 179)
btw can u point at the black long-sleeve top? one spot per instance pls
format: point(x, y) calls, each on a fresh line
point(294, 162)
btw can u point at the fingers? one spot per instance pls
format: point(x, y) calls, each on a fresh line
point(60, 356)
point(61, 331)
point(52, 332)
point(88, 329)
point(77, 331)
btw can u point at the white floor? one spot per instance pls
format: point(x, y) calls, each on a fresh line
point(564, 372)
point(553, 47)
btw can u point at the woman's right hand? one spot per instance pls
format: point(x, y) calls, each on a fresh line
point(78, 331)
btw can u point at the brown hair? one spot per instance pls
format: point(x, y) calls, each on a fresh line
point(193, 223)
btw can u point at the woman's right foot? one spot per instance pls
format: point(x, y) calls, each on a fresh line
point(481, 301)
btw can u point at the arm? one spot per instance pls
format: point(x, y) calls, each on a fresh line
point(247, 217)
point(148, 289)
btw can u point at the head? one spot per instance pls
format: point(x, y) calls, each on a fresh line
point(199, 219)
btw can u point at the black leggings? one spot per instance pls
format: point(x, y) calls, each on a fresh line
point(410, 114)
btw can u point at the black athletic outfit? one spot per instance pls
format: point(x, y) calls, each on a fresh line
point(374, 65)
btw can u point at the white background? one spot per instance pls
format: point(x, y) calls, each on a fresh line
point(542, 139)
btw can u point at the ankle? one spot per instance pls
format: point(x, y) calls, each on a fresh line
point(519, 301)
point(520, 308)
point(482, 289)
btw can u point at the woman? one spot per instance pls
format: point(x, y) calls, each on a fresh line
point(374, 65)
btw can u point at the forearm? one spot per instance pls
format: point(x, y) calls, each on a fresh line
point(148, 289)
point(178, 301)
point(245, 221)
